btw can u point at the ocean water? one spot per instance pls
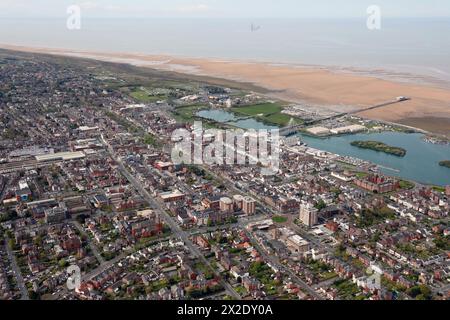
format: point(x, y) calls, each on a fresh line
point(410, 49)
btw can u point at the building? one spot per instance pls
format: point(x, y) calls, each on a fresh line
point(344, 176)
point(297, 244)
point(226, 205)
point(182, 216)
point(308, 214)
point(76, 205)
point(349, 129)
point(172, 196)
point(447, 191)
point(100, 201)
point(23, 194)
point(378, 184)
point(319, 131)
point(212, 203)
point(238, 202)
point(56, 214)
point(163, 166)
point(290, 239)
point(249, 206)
point(146, 228)
point(283, 205)
point(61, 156)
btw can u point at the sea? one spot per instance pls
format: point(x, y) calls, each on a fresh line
point(407, 49)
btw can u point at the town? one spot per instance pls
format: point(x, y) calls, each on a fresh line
point(87, 180)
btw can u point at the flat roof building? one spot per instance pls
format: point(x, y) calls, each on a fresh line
point(64, 156)
point(319, 131)
point(348, 129)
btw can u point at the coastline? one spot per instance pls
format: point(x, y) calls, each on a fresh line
point(318, 88)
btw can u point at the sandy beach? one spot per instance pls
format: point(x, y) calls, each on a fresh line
point(428, 109)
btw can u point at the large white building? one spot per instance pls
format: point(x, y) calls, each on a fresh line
point(319, 131)
point(308, 214)
point(349, 129)
point(249, 206)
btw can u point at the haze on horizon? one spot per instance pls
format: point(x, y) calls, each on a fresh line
point(13, 9)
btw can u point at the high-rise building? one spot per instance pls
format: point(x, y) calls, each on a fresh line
point(56, 214)
point(238, 201)
point(249, 206)
point(308, 214)
point(226, 204)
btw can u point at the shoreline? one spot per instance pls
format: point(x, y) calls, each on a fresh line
point(315, 87)
point(385, 74)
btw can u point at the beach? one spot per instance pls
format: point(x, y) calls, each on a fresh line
point(316, 87)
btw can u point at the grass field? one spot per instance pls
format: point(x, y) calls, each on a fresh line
point(406, 185)
point(142, 96)
point(187, 114)
point(263, 109)
point(268, 112)
point(279, 219)
point(281, 119)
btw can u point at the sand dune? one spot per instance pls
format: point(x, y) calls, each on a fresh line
point(318, 87)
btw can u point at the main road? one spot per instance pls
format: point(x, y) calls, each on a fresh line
point(16, 270)
point(274, 261)
point(176, 229)
point(93, 247)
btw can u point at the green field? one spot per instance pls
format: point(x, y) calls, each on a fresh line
point(263, 109)
point(406, 185)
point(267, 112)
point(279, 219)
point(142, 96)
point(187, 113)
point(282, 119)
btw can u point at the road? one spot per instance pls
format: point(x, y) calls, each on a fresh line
point(230, 185)
point(173, 225)
point(16, 270)
point(93, 247)
point(274, 261)
point(103, 267)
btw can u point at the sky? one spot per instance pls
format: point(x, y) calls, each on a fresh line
point(224, 8)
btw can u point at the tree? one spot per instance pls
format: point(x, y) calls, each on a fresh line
point(11, 244)
point(62, 263)
point(321, 205)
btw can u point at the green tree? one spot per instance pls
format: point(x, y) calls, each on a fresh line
point(321, 205)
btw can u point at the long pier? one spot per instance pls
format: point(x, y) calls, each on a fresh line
point(286, 131)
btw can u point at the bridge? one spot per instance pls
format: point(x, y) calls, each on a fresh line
point(291, 128)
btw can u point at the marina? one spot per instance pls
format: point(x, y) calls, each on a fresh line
point(421, 163)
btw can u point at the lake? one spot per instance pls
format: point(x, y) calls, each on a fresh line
point(420, 164)
point(222, 116)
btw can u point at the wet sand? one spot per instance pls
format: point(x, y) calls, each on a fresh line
point(314, 86)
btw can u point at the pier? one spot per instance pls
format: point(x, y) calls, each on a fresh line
point(290, 130)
